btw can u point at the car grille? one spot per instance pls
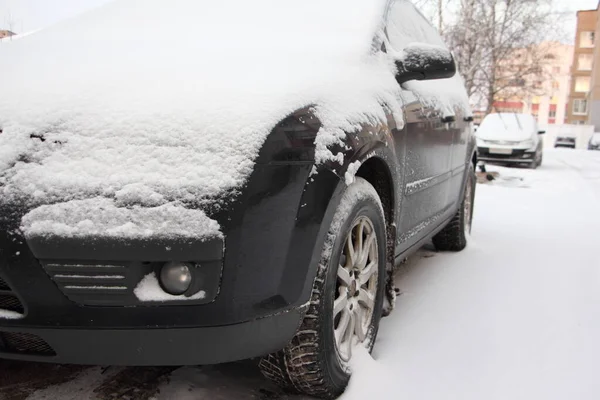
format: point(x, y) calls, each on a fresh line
point(9, 300)
point(24, 343)
point(502, 142)
point(485, 152)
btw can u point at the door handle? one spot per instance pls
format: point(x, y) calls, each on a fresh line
point(469, 119)
point(448, 119)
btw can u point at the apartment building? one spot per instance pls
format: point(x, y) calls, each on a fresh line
point(544, 90)
point(580, 100)
point(593, 101)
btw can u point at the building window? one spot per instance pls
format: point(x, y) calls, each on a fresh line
point(552, 114)
point(556, 70)
point(582, 84)
point(555, 85)
point(585, 62)
point(579, 122)
point(587, 40)
point(580, 107)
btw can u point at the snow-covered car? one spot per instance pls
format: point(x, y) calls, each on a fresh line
point(566, 141)
point(238, 183)
point(594, 143)
point(510, 138)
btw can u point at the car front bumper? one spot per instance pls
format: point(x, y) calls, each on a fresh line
point(565, 144)
point(515, 156)
point(255, 300)
point(151, 346)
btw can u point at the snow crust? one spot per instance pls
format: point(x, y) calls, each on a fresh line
point(149, 290)
point(148, 118)
point(100, 217)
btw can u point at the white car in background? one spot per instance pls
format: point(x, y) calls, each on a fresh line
point(510, 138)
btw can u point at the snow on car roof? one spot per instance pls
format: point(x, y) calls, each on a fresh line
point(147, 102)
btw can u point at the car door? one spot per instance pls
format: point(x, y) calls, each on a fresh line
point(461, 131)
point(429, 140)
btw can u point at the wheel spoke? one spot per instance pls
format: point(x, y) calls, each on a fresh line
point(350, 334)
point(366, 299)
point(350, 253)
point(364, 254)
point(341, 302)
point(367, 272)
point(344, 276)
point(359, 328)
point(359, 240)
point(342, 330)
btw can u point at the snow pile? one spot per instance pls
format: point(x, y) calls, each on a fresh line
point(99, 217)
point(351, 171)
point(147, 103)
point(149, 290)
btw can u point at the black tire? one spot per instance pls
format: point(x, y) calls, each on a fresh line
point(533, 165)
point(311, 363)
point(537, 159)
point(454, 236)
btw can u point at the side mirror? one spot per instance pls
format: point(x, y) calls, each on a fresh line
point(541, 132)
point(424, 62)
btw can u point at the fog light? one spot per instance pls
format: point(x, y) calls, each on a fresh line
point(176, 278)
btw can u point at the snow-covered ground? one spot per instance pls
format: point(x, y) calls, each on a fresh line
point(514, 316)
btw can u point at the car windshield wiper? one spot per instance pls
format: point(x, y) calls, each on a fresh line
point(503, 122)
point(518, 122)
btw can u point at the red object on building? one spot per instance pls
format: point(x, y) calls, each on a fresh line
point(508, 106)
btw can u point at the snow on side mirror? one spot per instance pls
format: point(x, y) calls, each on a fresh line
point(422, 61)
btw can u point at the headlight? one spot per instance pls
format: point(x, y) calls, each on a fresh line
point(527, 143)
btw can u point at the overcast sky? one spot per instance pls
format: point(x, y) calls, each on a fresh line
point(28, 15)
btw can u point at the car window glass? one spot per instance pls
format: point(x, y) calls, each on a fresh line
point(406, 25)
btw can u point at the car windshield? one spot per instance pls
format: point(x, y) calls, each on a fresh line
point(506, 122)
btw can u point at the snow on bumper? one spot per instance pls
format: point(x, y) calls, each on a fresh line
point(100, 218)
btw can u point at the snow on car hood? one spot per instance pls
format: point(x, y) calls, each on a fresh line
point(148, 103)
point(507, 126)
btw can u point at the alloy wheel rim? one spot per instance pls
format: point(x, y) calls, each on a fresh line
point(356, 288)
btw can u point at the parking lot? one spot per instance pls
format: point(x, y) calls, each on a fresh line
point(515, 316)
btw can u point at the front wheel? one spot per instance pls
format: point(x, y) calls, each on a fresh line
point(346, 301)
point(455, 235)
